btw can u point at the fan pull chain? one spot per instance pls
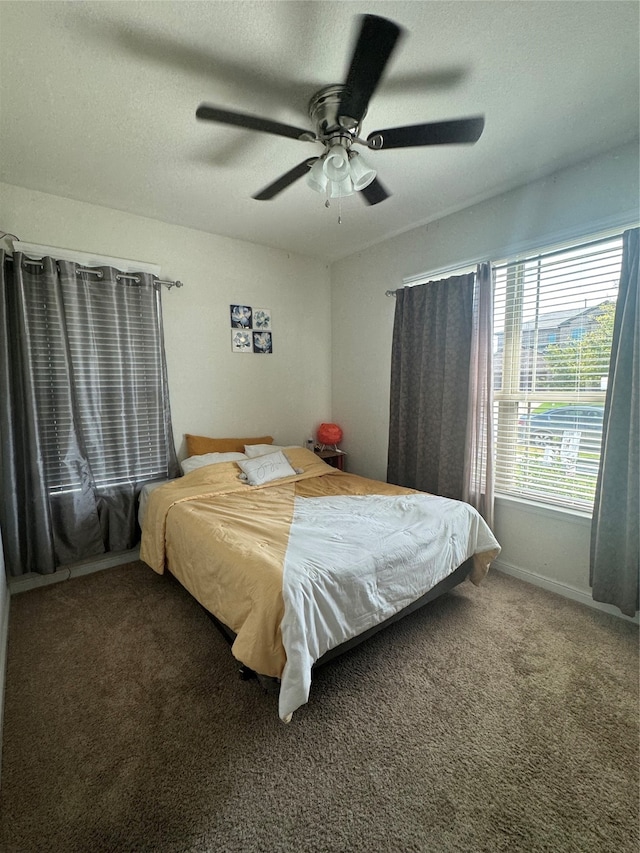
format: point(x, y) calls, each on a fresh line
point(327, 204)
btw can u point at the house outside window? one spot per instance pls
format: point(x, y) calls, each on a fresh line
point(553, 325)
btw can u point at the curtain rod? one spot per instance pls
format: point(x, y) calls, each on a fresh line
point(100, 274)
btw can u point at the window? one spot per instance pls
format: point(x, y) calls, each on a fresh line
point(98, 372)
point(553, 325)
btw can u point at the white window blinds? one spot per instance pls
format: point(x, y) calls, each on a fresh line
point(553, 325)
point(97, 357)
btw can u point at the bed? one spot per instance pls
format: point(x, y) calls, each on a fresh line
point(300, 560)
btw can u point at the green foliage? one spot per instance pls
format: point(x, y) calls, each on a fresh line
point(580, 364)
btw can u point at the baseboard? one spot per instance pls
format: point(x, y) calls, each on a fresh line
point(561, 589)
point(96, 564)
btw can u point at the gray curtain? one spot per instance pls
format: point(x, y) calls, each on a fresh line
point(85, 418)
point(430, 364)
point(478, 467)
point(615, 546)
point(25, 517)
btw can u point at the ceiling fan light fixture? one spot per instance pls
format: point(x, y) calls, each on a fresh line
point(336, 164)
point(341, 189)
point(316, 178)
point(361, 173)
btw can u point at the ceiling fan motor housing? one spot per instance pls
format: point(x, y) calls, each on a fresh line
point(323, 112)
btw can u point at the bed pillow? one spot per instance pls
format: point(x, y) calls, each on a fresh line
point(197, 445)
point(264, 469)
point(253, 450)
point(193, 462)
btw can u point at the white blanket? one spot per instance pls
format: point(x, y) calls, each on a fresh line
point(354, 561)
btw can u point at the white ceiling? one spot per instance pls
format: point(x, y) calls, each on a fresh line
point(98, 103)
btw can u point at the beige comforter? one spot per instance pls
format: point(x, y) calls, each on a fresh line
point(226, 543)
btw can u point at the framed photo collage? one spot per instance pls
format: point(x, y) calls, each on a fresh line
point(251, 329)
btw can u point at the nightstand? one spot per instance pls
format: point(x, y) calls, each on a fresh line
point(335, 458)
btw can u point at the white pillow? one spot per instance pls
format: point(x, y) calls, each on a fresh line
point(264, 469)
point(193, 462)
point(253, 450)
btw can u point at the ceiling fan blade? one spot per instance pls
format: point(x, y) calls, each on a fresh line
point(285, 180)
point(170, 50)
point(374, 193)
point(374, 46)
point(210, 113)
point(418, 81)
point(435, 133)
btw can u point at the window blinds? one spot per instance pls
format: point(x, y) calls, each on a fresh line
point(553, 324)
point(97, 359)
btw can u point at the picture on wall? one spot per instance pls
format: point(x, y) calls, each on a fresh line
point(262, 342)
point(240, 340)
point(262, 318)
point(241, 317)
point(251, 329)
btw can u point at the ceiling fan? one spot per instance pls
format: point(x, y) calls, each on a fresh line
point(337, 112)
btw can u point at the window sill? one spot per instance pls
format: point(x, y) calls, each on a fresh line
point(556, 512)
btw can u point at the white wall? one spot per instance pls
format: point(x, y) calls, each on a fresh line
point(551, 550)
point(213, 391)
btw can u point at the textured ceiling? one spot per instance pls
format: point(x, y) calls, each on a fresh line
point(98, 103)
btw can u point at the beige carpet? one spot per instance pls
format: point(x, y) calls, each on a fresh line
point(502, 718)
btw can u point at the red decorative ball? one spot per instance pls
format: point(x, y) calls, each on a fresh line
point(329, 434)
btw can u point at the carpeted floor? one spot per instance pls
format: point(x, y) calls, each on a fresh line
point(499, 718)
